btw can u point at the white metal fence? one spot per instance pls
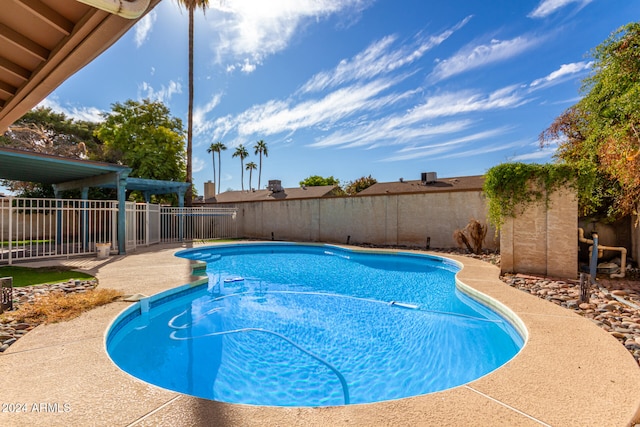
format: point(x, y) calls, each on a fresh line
point(200, 223)
point(38, 228)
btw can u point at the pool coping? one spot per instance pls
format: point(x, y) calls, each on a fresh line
point(570, 372)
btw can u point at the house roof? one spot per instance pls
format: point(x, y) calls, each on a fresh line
point(264, 195)
point(44, 42)
point(463, 183)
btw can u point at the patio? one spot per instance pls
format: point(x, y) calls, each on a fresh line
point(569, 373)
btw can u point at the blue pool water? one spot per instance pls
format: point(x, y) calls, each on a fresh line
point(312, 325)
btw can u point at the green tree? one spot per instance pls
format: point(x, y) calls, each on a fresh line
point(362, 183)
point(261, 149)
point(251, 166)
point(599, 136)
point(191, 6)
point(317, 180)
point(42, 130)
point(144, 136)
point(241, 152)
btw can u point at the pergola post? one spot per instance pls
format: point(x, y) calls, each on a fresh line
point(84, 219)
point(181, 194)
point(121, 187)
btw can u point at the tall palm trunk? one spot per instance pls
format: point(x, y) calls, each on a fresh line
point(213, 160)
point(260, 171)
point(219, 170)
point(189, 193)
point(242, 173)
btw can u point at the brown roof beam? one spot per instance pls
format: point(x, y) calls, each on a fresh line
point(23, 43)
point(49, 15)
point(15, 69)
point(7, 88)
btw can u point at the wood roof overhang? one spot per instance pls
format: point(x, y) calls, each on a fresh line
point(44, 42)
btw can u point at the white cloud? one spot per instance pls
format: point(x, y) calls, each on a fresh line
point(440, 149)
point(377, 59)
point(539, 154)
point(395, 129)
point(89, 114)
point(164, 94)
point(277, 116)
point(200, 124)
point(564, 71)
point(198, 164)
point(477, 56)
point(479, 151)
point(547, 7)
point(143, 28)
point(248, 31)
point(416, 124)
point(449, 104)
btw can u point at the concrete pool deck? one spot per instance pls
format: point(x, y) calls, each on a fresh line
point(570, 372)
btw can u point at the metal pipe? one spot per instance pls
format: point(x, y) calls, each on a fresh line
point(129, 9)
point(600, 249)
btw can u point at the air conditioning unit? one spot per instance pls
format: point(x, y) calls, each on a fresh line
point(275, 186)
point(428, 177)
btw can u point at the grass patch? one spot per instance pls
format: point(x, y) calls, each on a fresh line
point(24, 242)
point(58, 306)
point(24, 276)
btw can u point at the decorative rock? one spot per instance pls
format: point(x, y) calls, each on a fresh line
point(9, 341)
point(21, 326)
point(573, 303)
point(11, 331)
point(621, 320)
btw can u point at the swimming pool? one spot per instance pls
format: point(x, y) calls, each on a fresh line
point(312, 325)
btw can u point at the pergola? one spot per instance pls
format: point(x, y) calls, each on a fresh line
point(70, 174)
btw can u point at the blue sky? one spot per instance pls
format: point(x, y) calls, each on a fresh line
point(351, 88)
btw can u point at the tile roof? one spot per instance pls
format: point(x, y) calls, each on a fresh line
point(264, 195)
point(464, 183)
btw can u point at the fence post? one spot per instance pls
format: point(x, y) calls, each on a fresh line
point(10, 247)
point(6, 293)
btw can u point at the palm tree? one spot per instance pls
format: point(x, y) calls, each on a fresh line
point(219, 147)
point(214, 148)
point(251, 166)
point(260, 148)
point(241, 152)
point(191, 6)
point(212, 151)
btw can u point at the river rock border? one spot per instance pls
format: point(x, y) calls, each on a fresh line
point(616, 311)
point(10, 332)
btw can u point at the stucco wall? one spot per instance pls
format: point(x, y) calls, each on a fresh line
point(405, 219)
point(543, 240)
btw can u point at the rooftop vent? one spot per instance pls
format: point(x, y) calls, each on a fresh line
point(275, 186)
point(428, 177)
